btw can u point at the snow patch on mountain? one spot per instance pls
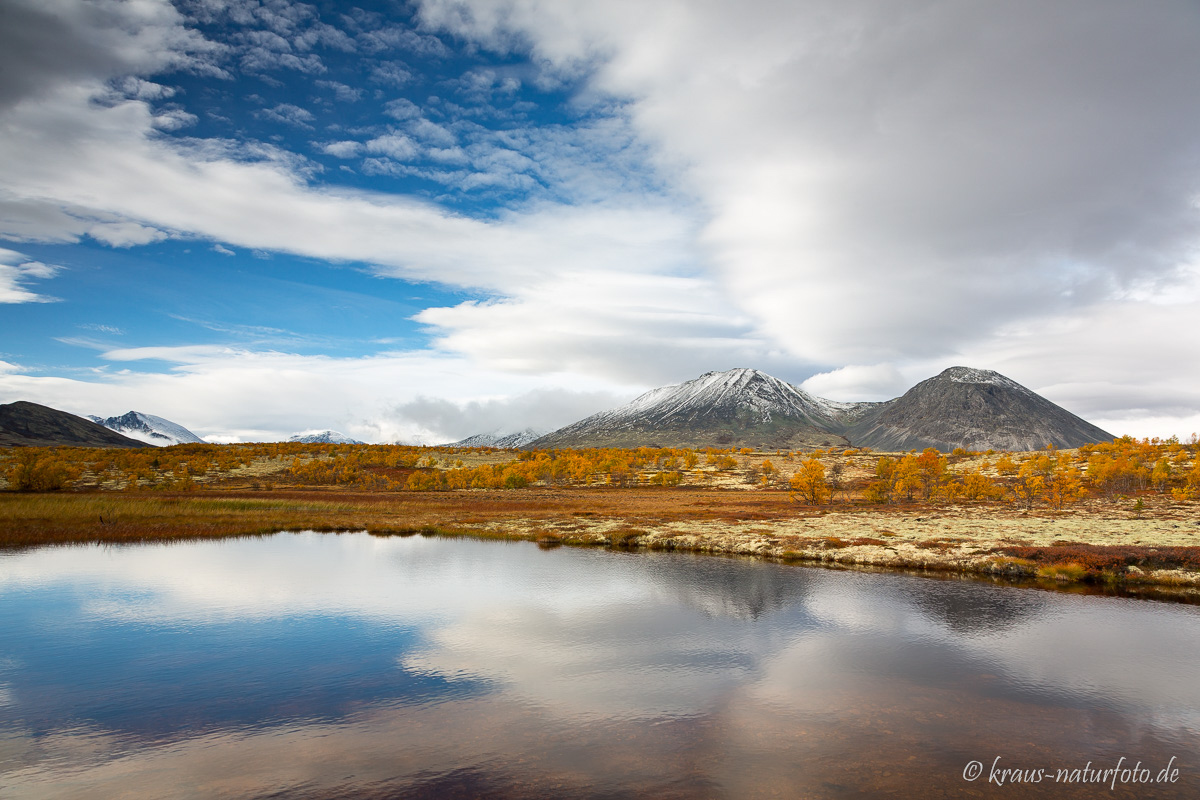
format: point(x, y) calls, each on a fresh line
point(148, 428)
point(322, 437)
point(981, 376)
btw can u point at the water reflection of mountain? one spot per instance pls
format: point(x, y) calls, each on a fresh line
point(971, 607)
point(734, 588)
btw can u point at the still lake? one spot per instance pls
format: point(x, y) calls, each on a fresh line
point(322, 665)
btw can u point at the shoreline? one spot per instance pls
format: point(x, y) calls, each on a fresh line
point(1095, 545)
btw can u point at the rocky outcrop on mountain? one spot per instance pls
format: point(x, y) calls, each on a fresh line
point(31, 425)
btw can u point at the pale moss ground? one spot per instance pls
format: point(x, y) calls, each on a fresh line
point(962, 539)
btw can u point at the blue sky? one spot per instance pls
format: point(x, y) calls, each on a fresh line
point(422, 220)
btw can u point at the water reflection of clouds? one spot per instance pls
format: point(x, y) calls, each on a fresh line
point(392, 579)
point(578, 666)
point(602, 633)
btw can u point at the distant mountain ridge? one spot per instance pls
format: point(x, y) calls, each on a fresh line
point(149, 429)
point(28, 424)
point(961, 407)
point(499, 440)
point(323, 437)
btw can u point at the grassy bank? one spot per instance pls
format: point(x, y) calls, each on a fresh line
point(1096, 543)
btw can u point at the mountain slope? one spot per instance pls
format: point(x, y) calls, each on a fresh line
point(742, 407)
point(970, 408)
point(33, 425)
point(323, 437)
point(149, 428)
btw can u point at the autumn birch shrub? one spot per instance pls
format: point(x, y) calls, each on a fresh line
point(36, 470)
point(882, 489)
point(808, 484)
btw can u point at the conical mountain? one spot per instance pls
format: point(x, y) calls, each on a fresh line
point(974, 409)
point(738, 407)
point(31, 425)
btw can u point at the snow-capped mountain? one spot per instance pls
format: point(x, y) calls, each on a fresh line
point(499, 439)
point(148, 428)
point(323, 437)
point(962, 407)
point(741, 407)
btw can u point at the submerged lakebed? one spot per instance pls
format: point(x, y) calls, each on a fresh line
point(318, 665)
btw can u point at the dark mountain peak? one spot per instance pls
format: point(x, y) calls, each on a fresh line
point(972, 408)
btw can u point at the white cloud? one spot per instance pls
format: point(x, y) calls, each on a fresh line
point(343, 149)
point(125, 234)
point(393, 145)
point(46, 45)
point(343, 92)
point(641, 329)
point(105, 162)
point(139, 89)
point(858, 382)
point(172, 119)
point(232, 394)
point(15, 271)
point(541, 409)
point(288, 114)
point(402, 108)
point(391, 73)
